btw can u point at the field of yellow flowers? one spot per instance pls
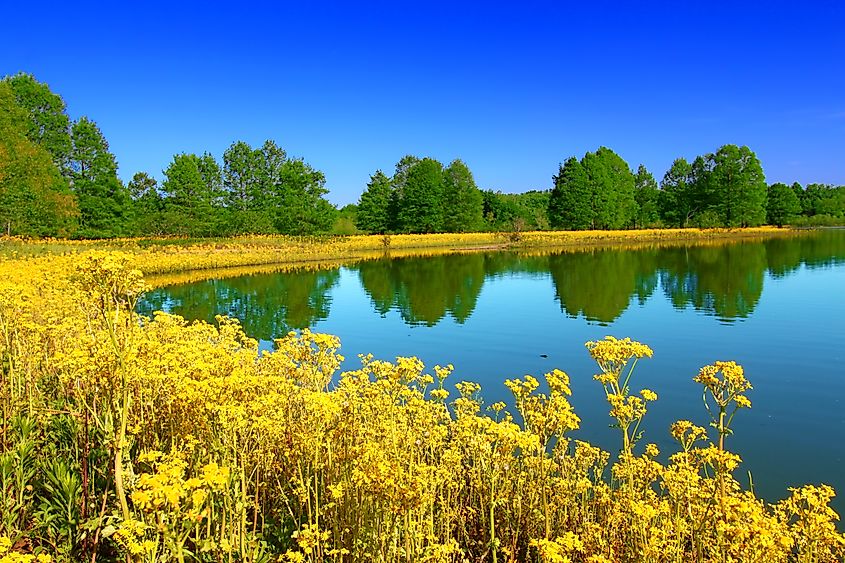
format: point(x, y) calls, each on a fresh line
point(132, 439)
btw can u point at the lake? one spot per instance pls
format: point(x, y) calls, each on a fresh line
point(777, 307)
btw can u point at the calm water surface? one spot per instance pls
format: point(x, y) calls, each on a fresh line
point(776, 307)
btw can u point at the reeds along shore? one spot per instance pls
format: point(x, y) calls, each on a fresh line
point(161, 440)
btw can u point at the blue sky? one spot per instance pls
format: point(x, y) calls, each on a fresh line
point(512, 89)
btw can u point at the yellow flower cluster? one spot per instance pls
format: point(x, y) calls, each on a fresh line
point(185, 443)
point(7, 555)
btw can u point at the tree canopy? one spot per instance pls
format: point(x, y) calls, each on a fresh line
point(421, 197)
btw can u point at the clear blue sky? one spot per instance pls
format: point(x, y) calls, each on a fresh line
point(512, 89)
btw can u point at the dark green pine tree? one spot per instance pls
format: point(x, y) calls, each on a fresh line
point(569, 203)
point(104, 202)
point(462, 201)
point(374, 205)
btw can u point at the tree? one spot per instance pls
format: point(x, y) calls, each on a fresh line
point(374, 205)
point(421, 199)
point(462, 200)
point(300, 206)
point(48, 124)
point(397, 184)
point(675, 201)
point(782, 205)
point(104, 202)
point(798, 189)
point(192, 195)
point(146, 203)
point(612, 189)
point(569, 203)
point(646, 194)
point(739, 186)
point(242, 176)
point(34, 199)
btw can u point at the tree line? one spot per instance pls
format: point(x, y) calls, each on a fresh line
point(59, 178)
point(722, 189)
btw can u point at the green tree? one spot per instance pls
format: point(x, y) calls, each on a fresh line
point(34, 199)
point(799, 192)
point(646, 194)
point(265, 191)
point(104, 202)
point(675, 200)
point(421, 199)
point(242, 176)
point(48, 124)
point(612, 189)
point(146, 203)
point(192, 195)
point(374, 205)
point(300, 206)
point(252, 180)
point(397, 184)
point(782, 205)
point(739, 185)
point(569, 203)
point(462, 202)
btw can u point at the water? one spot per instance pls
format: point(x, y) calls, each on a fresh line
point(776, 307)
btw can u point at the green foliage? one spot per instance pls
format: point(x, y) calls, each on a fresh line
point(783, 205)
point(462, 201)
point(421, 198)
point(147, 204)
point(34, 199)
point(300, 208)
point(346, 220)
point(374, 205)
point(48, 124)
point(104, 202)
point(722, 189)
point(739, 186)
point(675, 200)
point(249, 179)
point(570, 201)
point(822, 199)
point(612, 189)
point(527, 211)
point(192, 195)
point(646, 194)
point(595, 193)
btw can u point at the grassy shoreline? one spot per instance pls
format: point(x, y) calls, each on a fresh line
point(157, 258)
